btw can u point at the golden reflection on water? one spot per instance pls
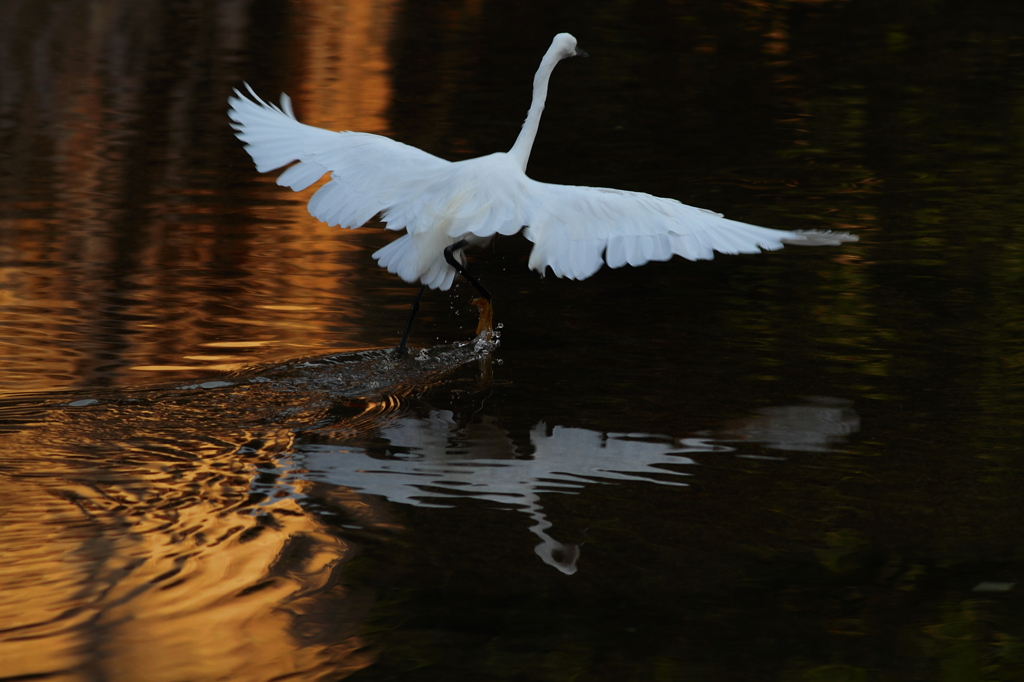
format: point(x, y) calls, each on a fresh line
point(119, 260)
point(121, 257)
point(167, 574)
point(346, 83)
point(151, 534)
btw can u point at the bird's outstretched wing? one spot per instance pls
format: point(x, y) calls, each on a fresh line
point(365, 169)
point(576, 229)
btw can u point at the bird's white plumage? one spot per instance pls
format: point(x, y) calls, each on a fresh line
point(437, 202)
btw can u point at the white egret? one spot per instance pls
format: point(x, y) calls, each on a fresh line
point(445, 206)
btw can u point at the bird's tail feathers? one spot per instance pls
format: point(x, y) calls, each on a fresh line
point(415, 257)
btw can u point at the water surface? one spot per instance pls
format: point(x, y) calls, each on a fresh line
point(801, 465)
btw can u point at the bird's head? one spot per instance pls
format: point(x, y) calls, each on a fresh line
point(564, 46)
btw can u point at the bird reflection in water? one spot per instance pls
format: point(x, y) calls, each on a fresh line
point(435, 460)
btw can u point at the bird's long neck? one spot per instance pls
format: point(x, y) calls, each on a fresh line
point(520, 151)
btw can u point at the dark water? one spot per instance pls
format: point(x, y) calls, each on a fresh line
point(802, 465)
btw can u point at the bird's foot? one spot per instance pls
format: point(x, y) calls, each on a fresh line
point(486, 322)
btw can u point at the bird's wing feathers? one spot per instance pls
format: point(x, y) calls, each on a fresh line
point(366, 170)
point(576, 229)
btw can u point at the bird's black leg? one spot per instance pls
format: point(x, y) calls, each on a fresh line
point(449, 255)
point(404, 341)
point(484, 302)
